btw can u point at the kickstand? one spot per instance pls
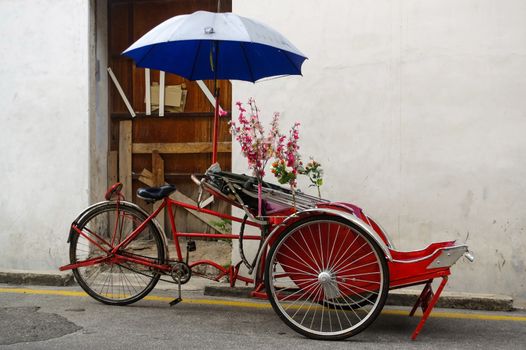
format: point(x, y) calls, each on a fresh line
point(178, 299)
point(427, 300)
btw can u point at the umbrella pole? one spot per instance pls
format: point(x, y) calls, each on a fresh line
point(216, 127)
point(216, 110)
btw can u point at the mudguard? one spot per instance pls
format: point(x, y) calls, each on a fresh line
point(360, 224)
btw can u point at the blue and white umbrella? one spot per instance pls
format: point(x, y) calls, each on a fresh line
point(206, 45)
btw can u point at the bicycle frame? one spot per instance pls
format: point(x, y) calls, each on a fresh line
point(170, 204)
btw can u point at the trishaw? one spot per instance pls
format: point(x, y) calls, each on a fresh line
point(326, 267)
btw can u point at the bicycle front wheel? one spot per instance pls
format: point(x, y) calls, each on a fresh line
point(122, 282)
point(326, 278)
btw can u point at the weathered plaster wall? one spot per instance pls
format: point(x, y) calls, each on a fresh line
point(44, 129)
point(417, 111)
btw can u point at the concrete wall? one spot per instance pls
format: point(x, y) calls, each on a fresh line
point(99, 113)
point(44, 129)
point(417, 111)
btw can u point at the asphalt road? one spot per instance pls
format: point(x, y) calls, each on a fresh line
point(64, 318)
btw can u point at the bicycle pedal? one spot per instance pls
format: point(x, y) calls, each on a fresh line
point(190, 246)
point(175, 301)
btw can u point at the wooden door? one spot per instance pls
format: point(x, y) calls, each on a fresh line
point(176, 135)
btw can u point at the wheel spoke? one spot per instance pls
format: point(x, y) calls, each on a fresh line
point(304, 263)
point(354, 261)
point(315, 290)
point(356, 267)
point(297, 269)
point(308, 248)
point(350, 256)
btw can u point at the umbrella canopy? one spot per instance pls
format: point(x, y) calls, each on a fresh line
point(206, 45)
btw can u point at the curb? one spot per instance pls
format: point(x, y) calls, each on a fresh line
point(398, 297)
point(449, 300)
point(39, 279)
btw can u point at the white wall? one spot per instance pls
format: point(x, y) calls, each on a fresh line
point(44, 134)
point(417, 111)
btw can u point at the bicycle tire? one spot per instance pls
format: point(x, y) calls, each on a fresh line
point(117, 283)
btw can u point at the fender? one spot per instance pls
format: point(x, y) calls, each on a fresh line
point(96, 206)
point(348, 217)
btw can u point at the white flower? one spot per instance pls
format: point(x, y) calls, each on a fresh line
point(289, 169)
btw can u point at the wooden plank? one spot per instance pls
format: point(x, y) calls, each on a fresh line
point(146, 177)
point(206, 218)
point(179, 148)
point(113, 167)
point(158, 180)
point(125, 157)
point(147, 88)
point(168, 115)
point(121, 92)
point(157, 169)
point(161, 93)
point(211, 98)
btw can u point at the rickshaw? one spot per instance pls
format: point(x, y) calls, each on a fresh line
point(326, 267)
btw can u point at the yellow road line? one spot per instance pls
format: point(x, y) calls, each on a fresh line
point(43, 292)
point(459, 315)
point(256, 305)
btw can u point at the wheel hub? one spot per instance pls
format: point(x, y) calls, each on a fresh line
point(325, 277)
point(329, 285)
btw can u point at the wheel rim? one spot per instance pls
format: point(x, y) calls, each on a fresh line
point(121, 282)
point(327, 279)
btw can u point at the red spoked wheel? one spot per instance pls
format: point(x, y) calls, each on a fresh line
point(326, 278)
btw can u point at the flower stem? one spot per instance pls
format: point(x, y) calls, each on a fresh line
point(293, 197)
point(259, 198)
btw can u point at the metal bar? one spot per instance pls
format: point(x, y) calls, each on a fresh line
point(216, 235)
point(211, 212)
point(417, 279)
point(141, 261)
point(91, 240)
point(174, 229)
point(83, 263)
point(139, 229)
point(422, 296)
point(208, 262)
point(215, 136)
point(429, 308)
